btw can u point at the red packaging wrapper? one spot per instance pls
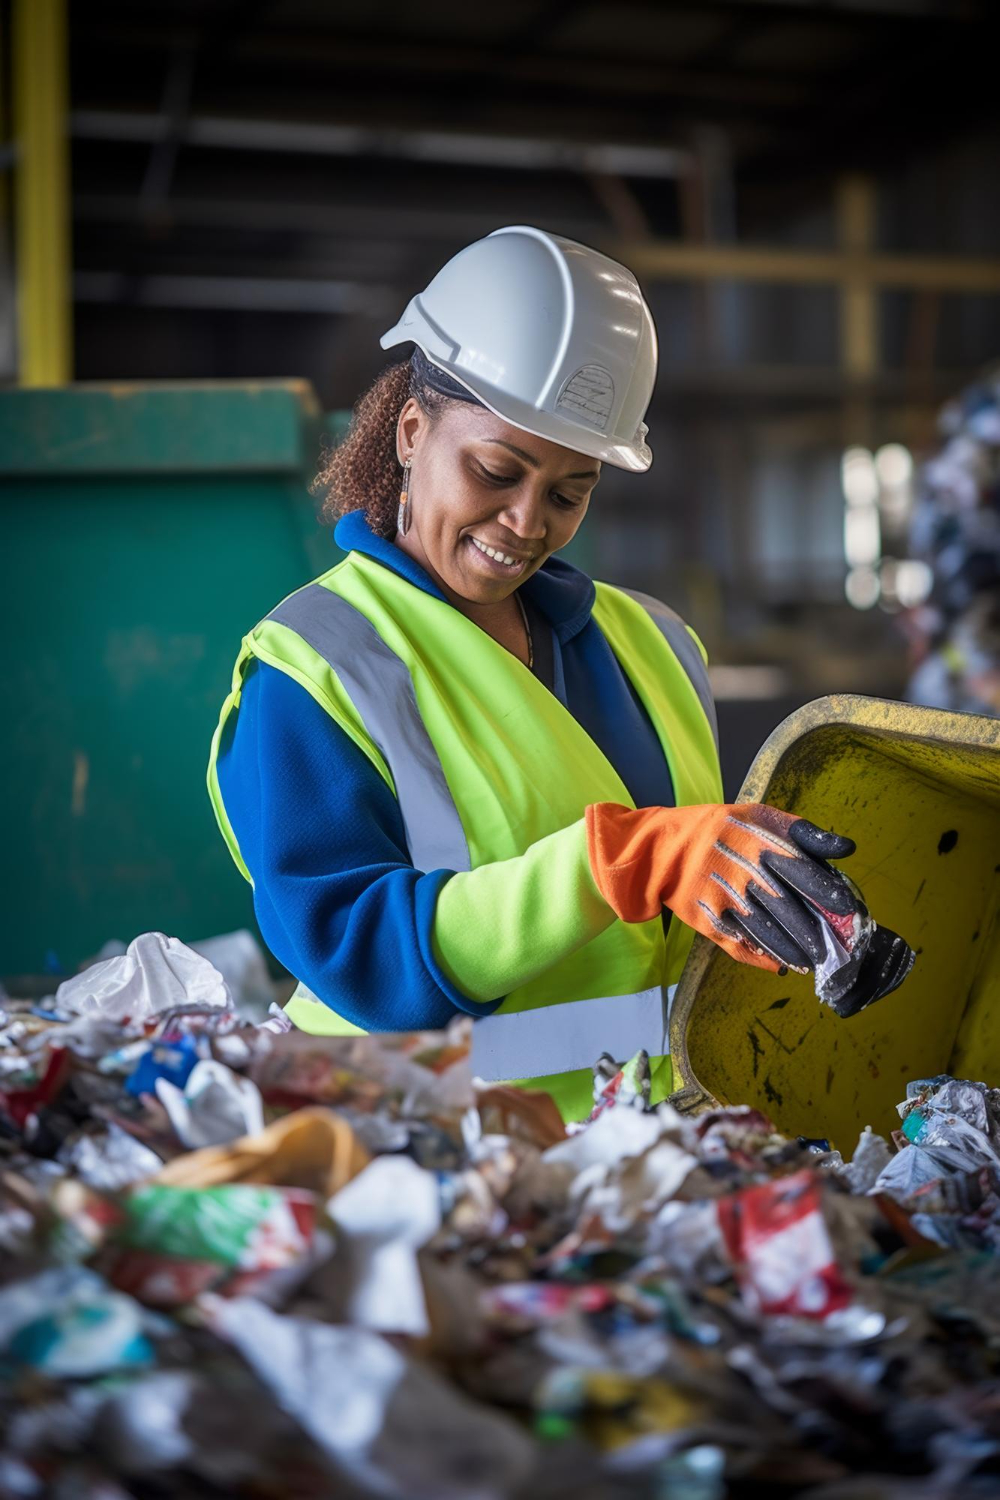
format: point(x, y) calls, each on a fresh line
point(162, 1280)
point(226, 1239)
point(19, 1104)
point(168, 1282)
point(778, 1241)
point(537, 1302)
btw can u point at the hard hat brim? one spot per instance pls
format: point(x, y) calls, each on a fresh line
point(636, 458)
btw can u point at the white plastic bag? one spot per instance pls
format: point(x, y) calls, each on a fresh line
point(155, 973)
point(214, 1107)
point(392, 1425)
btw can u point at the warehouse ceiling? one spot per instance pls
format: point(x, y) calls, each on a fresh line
point(319, 160)
point(793, 82)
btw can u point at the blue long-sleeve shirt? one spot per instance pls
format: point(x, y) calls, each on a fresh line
point(336, 897)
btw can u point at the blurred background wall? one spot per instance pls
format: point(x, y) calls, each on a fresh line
point(251, 190)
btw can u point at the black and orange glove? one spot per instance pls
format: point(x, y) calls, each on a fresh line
point(757, 882)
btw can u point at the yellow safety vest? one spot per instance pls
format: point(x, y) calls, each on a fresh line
point(484, 761)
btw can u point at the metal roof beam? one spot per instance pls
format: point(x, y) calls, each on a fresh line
point(238, 293)
point(677, 261)
point(519, 153)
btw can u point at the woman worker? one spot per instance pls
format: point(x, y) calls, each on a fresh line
point(461, 776)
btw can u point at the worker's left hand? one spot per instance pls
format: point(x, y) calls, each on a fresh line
point(756, 881)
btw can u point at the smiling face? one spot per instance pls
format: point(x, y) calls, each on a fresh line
point(489, 502)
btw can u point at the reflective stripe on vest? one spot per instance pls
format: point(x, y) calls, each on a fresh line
point(561, 1038)
point(379, 685)
point(682, 643)
point(549, 1039)
point(567, 1034)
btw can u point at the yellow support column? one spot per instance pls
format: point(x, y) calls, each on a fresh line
point(7, 341)
point(41, 209)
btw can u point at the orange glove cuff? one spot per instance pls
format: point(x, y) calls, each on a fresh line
point(637, 855)
point(647, 858)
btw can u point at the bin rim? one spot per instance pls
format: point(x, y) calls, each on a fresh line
point(883, 716)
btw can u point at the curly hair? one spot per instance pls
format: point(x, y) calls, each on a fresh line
point(362, 472)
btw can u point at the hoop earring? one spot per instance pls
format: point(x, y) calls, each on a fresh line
point(403, 513)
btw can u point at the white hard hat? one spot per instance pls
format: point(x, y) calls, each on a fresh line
point(552, 336)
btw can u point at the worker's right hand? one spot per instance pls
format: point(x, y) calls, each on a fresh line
point(753, 879)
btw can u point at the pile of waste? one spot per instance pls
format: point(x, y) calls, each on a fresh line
point(956, 530)
point(242, 1261)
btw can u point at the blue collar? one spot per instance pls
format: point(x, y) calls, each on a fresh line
point(560, 592)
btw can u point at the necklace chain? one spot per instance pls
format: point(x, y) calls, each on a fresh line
point(527, 631)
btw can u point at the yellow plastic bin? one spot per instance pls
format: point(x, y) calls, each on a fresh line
point(918, 789)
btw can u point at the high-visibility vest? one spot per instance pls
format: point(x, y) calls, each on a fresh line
point(484, 761)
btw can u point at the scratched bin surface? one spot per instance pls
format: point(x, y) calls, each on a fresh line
point(919, 791)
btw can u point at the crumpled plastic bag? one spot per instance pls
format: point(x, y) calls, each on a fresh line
point(956, 1122)
point(837, 969)
point(110, 1161)
point(154, 974)
point(625, 1165)
point(215, 1105)
point(975, 1103)
point(391, 1425)
point(872, 1156)
point(613, 1138)
point(952, 1126)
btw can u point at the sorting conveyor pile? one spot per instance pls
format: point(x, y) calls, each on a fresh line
point(237, 1260)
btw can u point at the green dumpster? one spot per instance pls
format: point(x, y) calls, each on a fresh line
point(918, 789)
point(145, 528)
